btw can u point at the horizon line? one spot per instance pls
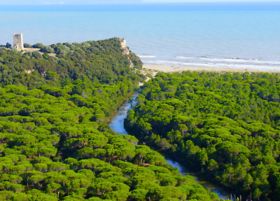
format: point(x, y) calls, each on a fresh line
point(149, 3)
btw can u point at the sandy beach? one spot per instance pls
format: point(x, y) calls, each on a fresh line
point(181, 68)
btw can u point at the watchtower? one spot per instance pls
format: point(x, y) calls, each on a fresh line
point(18, 42)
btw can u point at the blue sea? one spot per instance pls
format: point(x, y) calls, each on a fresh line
point(198, 34)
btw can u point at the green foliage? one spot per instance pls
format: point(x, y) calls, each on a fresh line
point(97, 61)
point(226, 126)
point(54, 140)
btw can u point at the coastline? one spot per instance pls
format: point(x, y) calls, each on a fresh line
point(181, 68)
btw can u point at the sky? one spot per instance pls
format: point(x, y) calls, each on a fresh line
point(66, 2)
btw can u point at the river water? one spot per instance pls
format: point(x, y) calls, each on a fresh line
point(117, 125)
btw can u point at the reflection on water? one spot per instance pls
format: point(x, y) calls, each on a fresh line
point(221, 193)
point(117, 125)
point(177, 166)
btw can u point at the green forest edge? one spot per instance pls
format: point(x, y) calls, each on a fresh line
point(224, 126)
point(55, 143)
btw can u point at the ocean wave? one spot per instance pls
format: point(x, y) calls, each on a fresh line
point(147, 56)
point(185, 58)
point(242, 61)
point(231, 61)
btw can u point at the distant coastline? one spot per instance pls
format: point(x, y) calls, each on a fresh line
point(207, 63)
point(181, 68)
point(166, 31)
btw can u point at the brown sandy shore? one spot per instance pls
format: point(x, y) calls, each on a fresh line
point(181, 68)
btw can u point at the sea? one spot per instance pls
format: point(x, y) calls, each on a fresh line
point(231, 34)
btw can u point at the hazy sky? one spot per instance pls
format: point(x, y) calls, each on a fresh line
point(46, 2)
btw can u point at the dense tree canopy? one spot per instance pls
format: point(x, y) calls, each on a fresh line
point(98, 61)
point(226, 126)
point(54, 140)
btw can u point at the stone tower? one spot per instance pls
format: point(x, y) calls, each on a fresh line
point(18, 42)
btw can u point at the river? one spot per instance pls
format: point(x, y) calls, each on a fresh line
point(117, 125)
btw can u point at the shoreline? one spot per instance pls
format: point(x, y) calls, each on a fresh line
point(165, 68)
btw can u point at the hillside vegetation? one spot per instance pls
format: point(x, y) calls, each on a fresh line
point(54, 140)
point(225, 126)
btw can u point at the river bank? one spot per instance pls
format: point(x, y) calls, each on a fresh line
point(117, 125)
